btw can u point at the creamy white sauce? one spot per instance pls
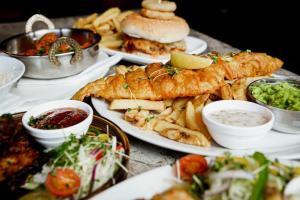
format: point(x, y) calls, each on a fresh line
point(235, 117)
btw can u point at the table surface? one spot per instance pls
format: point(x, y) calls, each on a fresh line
point(143, 156)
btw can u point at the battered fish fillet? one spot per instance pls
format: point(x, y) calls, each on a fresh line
point(160, 82)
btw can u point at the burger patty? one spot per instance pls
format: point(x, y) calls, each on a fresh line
point(152, 48)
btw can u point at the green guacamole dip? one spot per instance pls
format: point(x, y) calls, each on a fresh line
point(281, 95)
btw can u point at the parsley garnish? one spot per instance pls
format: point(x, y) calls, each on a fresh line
point(215, 59)
point(148, 119)
point(214, 56)
point(125, 86)
point(41, 51)
point(33, 121)
point(171, 70)
point(139, 108)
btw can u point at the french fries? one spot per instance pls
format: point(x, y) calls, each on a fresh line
point(124, 104)
point(107, 25)
point(236, 89)
point(180, 104)
point(106, 16)
point(183, 134)
point(226, 92)
point(199, 121)
point(239, 89)
point(190, 117)
point(178, 119)
point(181, 119)
point(200, 100)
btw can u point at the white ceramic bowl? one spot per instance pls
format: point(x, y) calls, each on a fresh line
point(50, 144)
point(11, 70)
point(236, 137)
point(55, 137)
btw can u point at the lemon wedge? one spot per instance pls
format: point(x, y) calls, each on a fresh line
point(187, 61)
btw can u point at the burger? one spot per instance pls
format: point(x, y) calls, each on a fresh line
point(154, 33)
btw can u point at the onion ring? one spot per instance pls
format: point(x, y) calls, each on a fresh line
point(164, 6)
point(157, 14)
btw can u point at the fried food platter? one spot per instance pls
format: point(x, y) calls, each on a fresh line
point(189, 135)
point(276, 144)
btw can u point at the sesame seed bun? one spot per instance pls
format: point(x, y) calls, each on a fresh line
point(159, 30)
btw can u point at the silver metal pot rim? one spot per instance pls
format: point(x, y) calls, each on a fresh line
point(274, 80)
point(96, 36)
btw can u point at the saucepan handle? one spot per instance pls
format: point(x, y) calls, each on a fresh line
point(78, 55)
point(38, 18)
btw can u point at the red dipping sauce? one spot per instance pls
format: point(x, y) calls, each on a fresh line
point(58, 118)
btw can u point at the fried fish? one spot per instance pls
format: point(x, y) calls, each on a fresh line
point(160, 82)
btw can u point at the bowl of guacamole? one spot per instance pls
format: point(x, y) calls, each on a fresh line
point(282, 96)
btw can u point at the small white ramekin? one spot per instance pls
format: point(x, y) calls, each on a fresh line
point(236, 137)
point(14, 69)
point(55, 137)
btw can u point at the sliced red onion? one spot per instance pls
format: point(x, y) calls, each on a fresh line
point(217, 190)
point(232, 174)
point(95, 151)
point(94, 172)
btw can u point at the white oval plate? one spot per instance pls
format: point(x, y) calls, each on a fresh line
point(194, 46)
point(146, 185)
point(275, 144)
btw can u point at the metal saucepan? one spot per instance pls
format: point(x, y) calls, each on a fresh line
point(285, 120)
point(53, 65)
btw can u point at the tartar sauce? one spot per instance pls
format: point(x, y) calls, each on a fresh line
point(235, 117)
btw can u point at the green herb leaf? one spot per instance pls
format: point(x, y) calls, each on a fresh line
point(198, 186)
point(148, 119)
point(94, 130)
point(32, 121)
point(214, 56)
point(215, 59)
point(258, 189)
point(125, 86)
point(41, 51)
point(171, 70)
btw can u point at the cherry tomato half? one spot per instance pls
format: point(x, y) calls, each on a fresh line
point(62, 182)
point(192, 165)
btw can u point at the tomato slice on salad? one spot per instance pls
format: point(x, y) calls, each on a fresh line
point(192, 165)
point(120, 147)
point(62, 182)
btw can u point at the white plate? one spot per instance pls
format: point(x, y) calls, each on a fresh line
point(143, 186)
point(146, 185)
point(194, 46)
point(275, 144)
